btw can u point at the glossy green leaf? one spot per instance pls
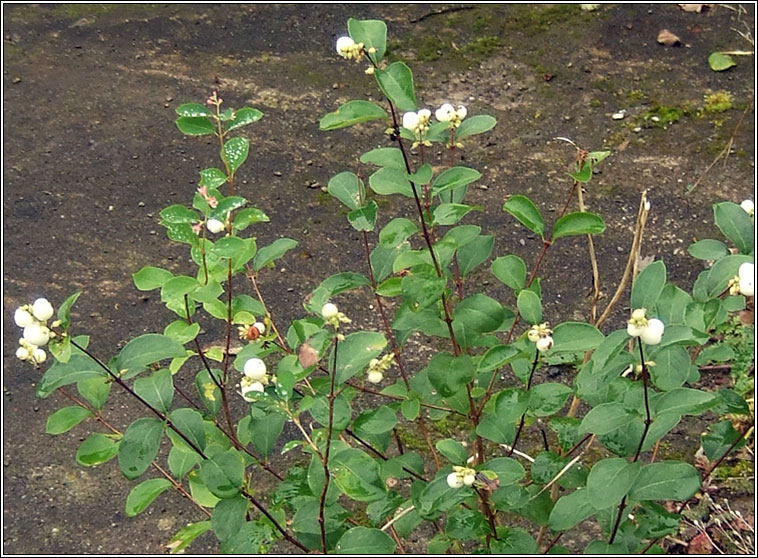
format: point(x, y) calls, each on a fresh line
point(193, 110)
point(720, 438)
point(453, 451)
point(79, 367)
point(96, 449)
point(476, 252)
point(142, 495)
point(666, 480)
point(144, 350)
point(356, 351)
point(65, 419)
point(575, 337)
point(387, 181)
point(266, 428)
point(190, 423)
point(548, 398)
point(510, 270)
point(95, 390)
point(530, 307)
point(610, 480)
point(475, 125)
point(451, 213)
point(708, 249)
point(64, 310)
point(235, 153)
point(272, 252)
point(364, 218)
point(352, 112)
point(139, 446)
point(449, 374)
point(357, 476)
point(157, 389)
point(578, 223)
point(736, 225)
point(390, 157)
point(186, 535)
point(195, 126)
point(648, 285)
point(466, 524)
point(248, 216)
point(223, 473)
point(454, 178)
point(685, 401)
point(606, 418)
point(396, 82)
point(376, 421)
point(372, 33)
point(243, 117)
point(524, 210)
point(570, 510)
point(212, 177)
point(228, 517)
point(348, 189)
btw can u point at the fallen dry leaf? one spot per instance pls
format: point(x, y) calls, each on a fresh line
point(697, 8)
point(700, 545)
point(666, 37)
point(307, 355)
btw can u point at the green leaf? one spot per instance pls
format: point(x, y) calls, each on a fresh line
point(396, 82)
point(510, 270)
point(95, 390)
point(387, 181)
point(235, 153)
point(193, 110)
point(65, 419)
point(454, 178)
point(708, 249)
point(142, 495)
point(397, 231)
point(719, 439)
point(524, 210)
point(578, 223)
point(365, 540)
point(466, 524)
point(352, 112)
point(648, 285)
point(475, 125)
point(570, 510)
point(364, 218)
point(451, 213)
point(736, 225)
point(181, 331)
point(475, 315)
point(272, 252)
point(223, 473)
point(248, 216)
point(181, 462)
point(228, 517)
point(672, 367)
point(357, 476)
point(186, 535)
point(666, 480)
point(355, 353)
point(722, 271)
point(575, 337)
point(449, 374)
point(195, 126)
point(348, 189)
point(372, 33)
point(243, 117)
point(453, 451)
point(176, 287)
point(685, 401)
point(227, 204)
point(179, 214)
point(190, 423)
point(377, 421)
point(267, 428)
point(514, 541)
point(530, 307)
point(610, 480)
point(410, 409)
point(212, 178)
point(672, 304)
point(476, 253)
point(144, 350)
point(508, 470)
point(606, 418)
point(720, 62)
point(157, 389)
point(496, 357)
point(548, 398)
point(390, 157)
point(96, 449)
point(422, 288)
point(64, 310)
point(338, 283)
point(79, 367)
point(139, 446)
point(492, 428)
point(510, 404)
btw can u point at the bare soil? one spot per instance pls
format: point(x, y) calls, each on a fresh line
point(91, 155)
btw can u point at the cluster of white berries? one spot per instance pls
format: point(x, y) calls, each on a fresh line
point(333, 316)
point(255, 378)
point(448, 113)
point(541, 335)
point(417, 122)
point(347, 48)
point(649, 331)
point(744, 282)
point(378, 366)
point(33, 319)
point(748, 206)
point(461, 476)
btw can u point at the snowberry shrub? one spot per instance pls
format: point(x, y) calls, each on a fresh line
point(357, 489)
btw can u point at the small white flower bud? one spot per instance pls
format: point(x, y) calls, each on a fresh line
point(639, 314)
point(454, 480)
point(22, 353)
point(533, 335)
point(343, 44)
point(42, 309)
point(748, 206)
point(410, 121)
point(369, 71)
point(469, 479)
point(39, 356)
point(23, 318)
point(37, 335)
point(260, 326)
point(375, 377)
point(372, 50)
point(329, 310)
point(255, 369)
point(651, 335)
point(545, 344)
point(215, 226)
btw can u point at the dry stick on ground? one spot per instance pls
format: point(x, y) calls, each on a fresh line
point(99, 417)
point(165, 419)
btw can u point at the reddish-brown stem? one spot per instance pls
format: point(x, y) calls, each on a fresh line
point(400, 398)
point(485, 505)
point(552, 543)
point(523, 416)
point(251, 275)
point(325, 459)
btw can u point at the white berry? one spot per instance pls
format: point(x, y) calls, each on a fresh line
point(375, 377)
point(329, 310)
point(215, 226)
point(23, 318)
point(42, 309)
point(39, 356)
point(255, 369)
point(37, 335)
point(651, 335)
point(454, 480)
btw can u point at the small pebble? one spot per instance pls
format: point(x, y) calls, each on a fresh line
point(637, 130)
point(655, 119)
point(277, 173)
point(618, 116)
point(141, 204)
